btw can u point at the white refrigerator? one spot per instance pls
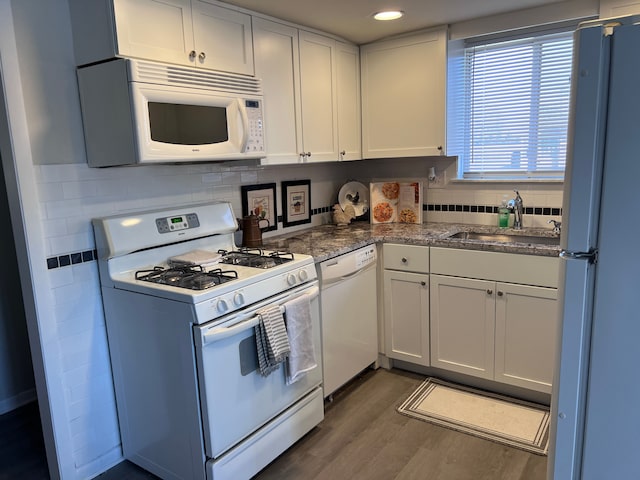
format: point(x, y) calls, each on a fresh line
point(595, 431)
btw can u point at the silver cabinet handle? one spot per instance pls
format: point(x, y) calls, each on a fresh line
point(500, 293)
point(489, 291)
point(202, 56)
point(192, 55)
point(404, 260)
point(423, 283)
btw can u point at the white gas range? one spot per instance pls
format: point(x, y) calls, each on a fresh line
point(191, 400)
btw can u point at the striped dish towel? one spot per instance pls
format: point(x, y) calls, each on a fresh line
point(271, 339)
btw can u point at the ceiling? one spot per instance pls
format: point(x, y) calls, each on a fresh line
point(352, 19)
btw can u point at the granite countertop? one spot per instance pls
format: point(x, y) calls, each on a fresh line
point(327, 241)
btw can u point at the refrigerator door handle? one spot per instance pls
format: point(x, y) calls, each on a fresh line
point(591, 256)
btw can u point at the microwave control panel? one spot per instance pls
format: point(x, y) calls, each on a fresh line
point(255, 142)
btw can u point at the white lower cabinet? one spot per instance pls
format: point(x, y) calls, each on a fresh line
point(526, 323)
point(406, 303)
point(406, 315)
point(463, 325)
point(492, 328)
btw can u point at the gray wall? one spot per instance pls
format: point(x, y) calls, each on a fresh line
point(16, 373)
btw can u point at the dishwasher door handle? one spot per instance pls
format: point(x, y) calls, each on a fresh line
point(333, 280)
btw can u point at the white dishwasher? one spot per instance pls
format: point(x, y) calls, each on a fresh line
point(348, 306)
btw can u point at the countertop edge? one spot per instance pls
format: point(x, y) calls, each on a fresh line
point(324, 242)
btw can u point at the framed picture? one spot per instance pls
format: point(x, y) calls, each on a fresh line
point(296, 202)
point(260, 200)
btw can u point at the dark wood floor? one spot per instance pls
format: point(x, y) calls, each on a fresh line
point(21, 445)
point(361, 437)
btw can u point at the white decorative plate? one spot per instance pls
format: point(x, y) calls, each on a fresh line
point(356, 194)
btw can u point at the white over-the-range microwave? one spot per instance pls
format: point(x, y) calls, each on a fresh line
point(140, 112)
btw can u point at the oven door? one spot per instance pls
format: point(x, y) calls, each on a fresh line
point(235, 398)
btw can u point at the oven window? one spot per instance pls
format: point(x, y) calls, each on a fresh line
point(248, 353)
point(187, 124)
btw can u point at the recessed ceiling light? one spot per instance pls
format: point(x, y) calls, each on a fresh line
point(388, 15)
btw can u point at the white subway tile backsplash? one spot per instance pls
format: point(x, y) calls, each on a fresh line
point(84, 348)
point(231, 177)
point(64, 208)
point(75, 292)
point(54, 228)
point(212, 178)
point(249, 177)
point(60, 277)
point(49, 192)
point(72, 243)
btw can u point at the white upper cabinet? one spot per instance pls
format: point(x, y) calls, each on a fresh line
point(311, 89)
point(186, 32)
point(222, 38)
point(348, 91)
point(404, 95)
point(319, 98)
point(154, 30)
point(277, 64)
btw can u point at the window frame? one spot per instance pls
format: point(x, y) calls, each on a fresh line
point(458, 103)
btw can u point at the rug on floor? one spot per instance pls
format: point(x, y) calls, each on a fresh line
point(491, 416)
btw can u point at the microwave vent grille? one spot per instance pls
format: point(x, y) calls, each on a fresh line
point(150, 72)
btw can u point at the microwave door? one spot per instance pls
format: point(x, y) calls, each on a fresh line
point(179, 124)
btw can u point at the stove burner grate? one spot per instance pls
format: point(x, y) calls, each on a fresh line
point(193, 277)
point(248, 257)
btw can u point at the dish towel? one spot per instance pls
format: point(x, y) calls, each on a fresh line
point(271, 339)
point(303, 356)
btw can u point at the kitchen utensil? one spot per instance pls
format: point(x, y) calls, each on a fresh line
point(251, 230)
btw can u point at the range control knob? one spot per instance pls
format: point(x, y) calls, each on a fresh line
point(238, 299)
point(303, 275)
point(223, 306)
point(291, 279)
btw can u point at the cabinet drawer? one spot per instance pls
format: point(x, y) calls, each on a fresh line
point(409, 258)
point(498, 266)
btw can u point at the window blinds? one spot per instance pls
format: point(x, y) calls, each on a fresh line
point(513, 116)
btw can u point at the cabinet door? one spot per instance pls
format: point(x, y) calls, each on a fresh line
point(462, 325)
point(277, 64)
point(526, 325)
point(348, 91)
point(406, 316)
point(154, 29)
point(222, 38)
point(319, 105)
point(404, 96)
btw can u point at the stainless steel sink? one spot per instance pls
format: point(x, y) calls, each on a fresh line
point(506, 238)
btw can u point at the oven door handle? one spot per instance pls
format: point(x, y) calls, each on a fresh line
point(220, 333)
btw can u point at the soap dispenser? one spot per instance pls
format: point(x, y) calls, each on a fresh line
point(503, 213)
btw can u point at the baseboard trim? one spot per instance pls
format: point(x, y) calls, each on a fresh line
point(11, 403)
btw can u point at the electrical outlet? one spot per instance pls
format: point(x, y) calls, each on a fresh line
point(438, 180)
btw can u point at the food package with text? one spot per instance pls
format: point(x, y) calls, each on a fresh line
point(396, 202)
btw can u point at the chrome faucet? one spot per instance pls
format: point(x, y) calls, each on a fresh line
point(516, 206)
